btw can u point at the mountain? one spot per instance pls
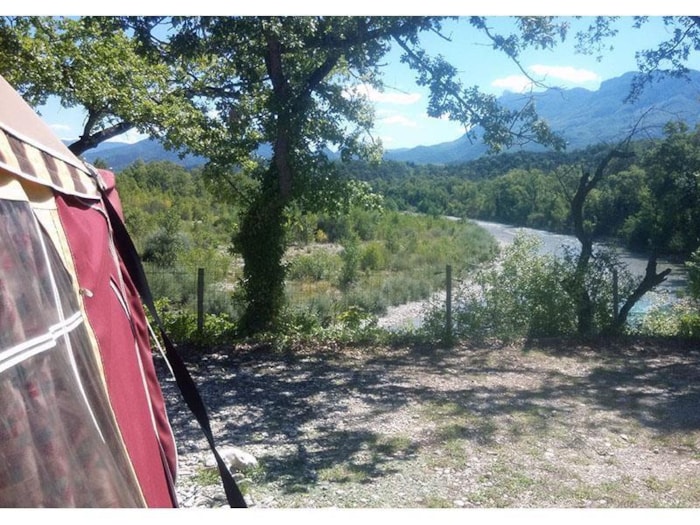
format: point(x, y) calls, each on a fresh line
point(120, 155)
point(581, 116)
point(585, 117)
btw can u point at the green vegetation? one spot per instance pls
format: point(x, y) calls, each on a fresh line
point(399, 258)
point(206, 476)
point(367, 260)
point(228, 88)
point(233, 89)
point(343, 270)
point(649, 201)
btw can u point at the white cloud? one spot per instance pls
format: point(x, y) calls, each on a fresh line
point(399, 120)
point(130, 137)
point(545, 74)
point(389, 97)
point(61, 127)
point(515, 83)
point(566, 73)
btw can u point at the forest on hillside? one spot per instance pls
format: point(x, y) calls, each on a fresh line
point(648, 201)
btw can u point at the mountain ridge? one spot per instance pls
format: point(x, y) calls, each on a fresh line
point(583, 117)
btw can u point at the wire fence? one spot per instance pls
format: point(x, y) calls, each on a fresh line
point(191, 289)
point(195, 290)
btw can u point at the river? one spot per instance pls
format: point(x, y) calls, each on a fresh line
point(665, 294)
point(553, 243)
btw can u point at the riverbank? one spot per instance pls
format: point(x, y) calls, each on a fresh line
point(410, 315)
point(553, 243)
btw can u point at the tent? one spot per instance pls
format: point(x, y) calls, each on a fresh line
point(83, 421)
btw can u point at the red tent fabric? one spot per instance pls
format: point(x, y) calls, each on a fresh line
point(82, 417)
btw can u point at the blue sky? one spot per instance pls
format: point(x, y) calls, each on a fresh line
point(401, 119)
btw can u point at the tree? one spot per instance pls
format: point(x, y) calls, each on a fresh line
point(293, 83)
point(578, 285)
point(673, 169)
point(93, 63)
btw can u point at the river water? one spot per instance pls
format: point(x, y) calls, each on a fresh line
point(552, 243)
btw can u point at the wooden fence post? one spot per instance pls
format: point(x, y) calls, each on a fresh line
point(448, 304)
point(200, 300)
point(616, 294)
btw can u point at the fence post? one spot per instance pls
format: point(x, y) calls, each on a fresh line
point(200, 300)
point(616, 294)
point(448, 304)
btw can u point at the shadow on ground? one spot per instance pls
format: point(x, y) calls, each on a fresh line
point(303, 401)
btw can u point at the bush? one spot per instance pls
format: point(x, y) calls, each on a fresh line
point(682, 319)
point(693, 266)
point(163, 247)
point(318, 266)
point(181, 326)
point(351, 264)
point(373, 257)
point(521, 296)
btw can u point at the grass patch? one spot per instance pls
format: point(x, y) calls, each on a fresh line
point(207, 476)
point(458, 422)
point(344, 473)
point(394, 445)
point(439, 410)
point(687, 442)
point(437, 502)
point(503, 485)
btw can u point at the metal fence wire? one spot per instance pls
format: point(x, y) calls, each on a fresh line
point(193, 290)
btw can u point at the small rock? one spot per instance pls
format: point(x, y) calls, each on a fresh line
point(235, 459)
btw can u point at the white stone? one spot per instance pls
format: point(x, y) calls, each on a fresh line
point(235, 458)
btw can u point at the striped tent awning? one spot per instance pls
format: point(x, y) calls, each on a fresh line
point(20, 156)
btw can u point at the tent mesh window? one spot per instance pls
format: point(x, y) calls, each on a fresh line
point(56, 426)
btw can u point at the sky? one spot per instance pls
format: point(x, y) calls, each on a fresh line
point(400, 110)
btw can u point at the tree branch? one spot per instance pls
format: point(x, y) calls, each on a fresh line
point(650, 281)
point(87, 141)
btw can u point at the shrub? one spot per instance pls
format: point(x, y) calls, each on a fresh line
point(351, 263)
point(373, 257)
point(181, 326)
point(693, 266)
point(521, 296)
point(682, 319)
point(318, 266)
point(162, 247)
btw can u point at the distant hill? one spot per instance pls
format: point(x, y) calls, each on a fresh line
point(585, 117)
point(120, 155)
point(582, 116)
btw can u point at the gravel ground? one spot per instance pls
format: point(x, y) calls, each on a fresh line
point(546, 424)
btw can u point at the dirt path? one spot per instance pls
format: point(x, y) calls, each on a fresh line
point(541, 425)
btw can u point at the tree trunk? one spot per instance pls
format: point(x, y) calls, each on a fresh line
point(587, 182)
point(261, 236)
point(261, 243)
point(584, 306)
point(650, 281)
